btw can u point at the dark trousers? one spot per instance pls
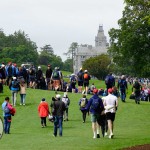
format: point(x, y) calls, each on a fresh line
point(43, 121)
point(123, 94)
point(84, 112)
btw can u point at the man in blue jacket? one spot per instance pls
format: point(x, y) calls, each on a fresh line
point(95, 105)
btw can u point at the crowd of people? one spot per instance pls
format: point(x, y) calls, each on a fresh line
point(102, 105)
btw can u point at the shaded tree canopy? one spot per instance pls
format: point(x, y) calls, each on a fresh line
point(130, 45)
point(98, 66)
point(17, 48)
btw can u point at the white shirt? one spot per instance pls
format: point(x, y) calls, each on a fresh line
point(110, 103)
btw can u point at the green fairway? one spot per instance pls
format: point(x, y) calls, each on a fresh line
point(132, 125)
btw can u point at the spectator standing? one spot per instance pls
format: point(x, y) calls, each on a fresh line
point(95, 105)
point(83, 103)
point(110, 105)
point(6, 107)
point(56, 78)
point(3, 73)
point(39, 76)
point(86, 78)
point(1, 86)
point(14, 87)
point(59, 108)
point(32, 74)
point(109, 81)
point(48, 76)
point(43, 110)
point(73, 83)
point(22, 92)
point(122, 85)
point(137, 90)
point(66, 100)
point(80, 80)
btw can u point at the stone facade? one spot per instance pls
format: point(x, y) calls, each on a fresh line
point(84, 52)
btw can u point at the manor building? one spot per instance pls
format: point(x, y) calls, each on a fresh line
point(86, 51)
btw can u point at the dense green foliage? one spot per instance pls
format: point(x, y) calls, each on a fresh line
point(17, 48)
point(98, 66)
point(131, 126)
point(131, 43)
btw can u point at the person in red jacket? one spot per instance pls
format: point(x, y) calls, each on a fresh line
point(43, 110)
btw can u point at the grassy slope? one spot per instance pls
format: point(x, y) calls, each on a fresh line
point(131, 126)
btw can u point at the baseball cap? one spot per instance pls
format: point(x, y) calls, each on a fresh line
point(95, 91)
point(110, 90)
point(58, 96)
point(14, 78)
point(85, 70)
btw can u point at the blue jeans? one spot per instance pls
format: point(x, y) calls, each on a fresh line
point(22, 98)
point(7, 123)
point(123, 94)
point(58, 123)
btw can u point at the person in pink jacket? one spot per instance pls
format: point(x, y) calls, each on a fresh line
point(43, 110)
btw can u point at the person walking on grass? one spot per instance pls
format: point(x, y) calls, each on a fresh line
point(14, 87)
point(83, 103)
point(137, 91)
point(80, 80)
point(86, 78)
point(22, 92)
point(59, 108)
point(8, 111)
point(66, 100)
point(123, 86)
point(43, 110)
point(95, 105)
point(110, 105)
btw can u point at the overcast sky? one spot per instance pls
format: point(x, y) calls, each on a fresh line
point(60, 22)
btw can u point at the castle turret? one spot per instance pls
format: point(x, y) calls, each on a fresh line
point(100, 39)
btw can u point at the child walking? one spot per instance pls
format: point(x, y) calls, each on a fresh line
point(22, 93)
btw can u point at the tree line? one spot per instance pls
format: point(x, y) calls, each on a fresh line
point(128, 53)
point(19, 48)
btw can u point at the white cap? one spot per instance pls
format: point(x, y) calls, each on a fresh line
point(3, 65)
point(58, 96)
point(65, 94)
point(85, 71)
point(123, 76)
point(22, 65)
point(39, 67)
point(14, 78)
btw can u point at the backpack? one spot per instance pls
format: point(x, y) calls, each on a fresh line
point(6, 109)
point(109, 80)
point(80, 75)
point(137, 85)
point(15, 84)
point(9, 71)
point(122, 84)
point(83, 102)
point(66, 101)
point(55, 74)
point(13, 111)
point(73, 79)
point(86, 76)
point(95, 104)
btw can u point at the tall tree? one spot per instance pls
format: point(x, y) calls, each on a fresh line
point(71, 52)
point(98, 66)
point(131, 43)
point(18, 48)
